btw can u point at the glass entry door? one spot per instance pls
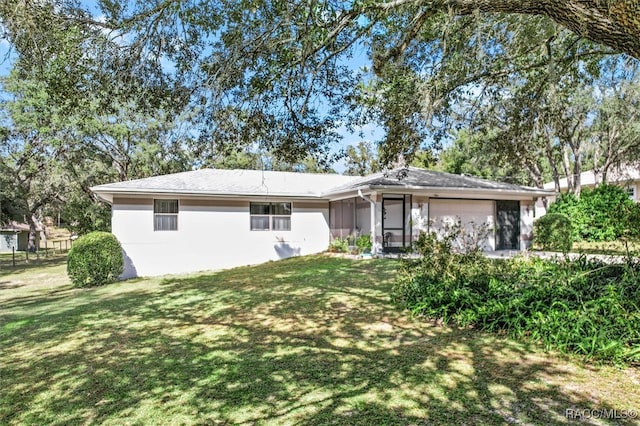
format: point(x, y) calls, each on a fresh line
point(396, 232)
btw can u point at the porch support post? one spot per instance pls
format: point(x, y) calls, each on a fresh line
point(372, 203)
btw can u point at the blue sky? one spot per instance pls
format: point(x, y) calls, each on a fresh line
point(6, 57)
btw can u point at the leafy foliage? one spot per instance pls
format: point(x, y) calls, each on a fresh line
point(554, 123)
point(82, 215)
point(95, 259)
point(470, 155)
point(554, 231)
point(598, 215)
point(631, 220)
point(361, 160)
point(339, 245)
point(363, 242)
point(120, 90)
point(585, 307)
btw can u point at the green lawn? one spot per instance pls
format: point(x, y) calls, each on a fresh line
point(609, 248)
point(310, 340)
point(606, 247)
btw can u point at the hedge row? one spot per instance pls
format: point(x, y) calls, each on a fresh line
point(600, 214)
point(583, 307)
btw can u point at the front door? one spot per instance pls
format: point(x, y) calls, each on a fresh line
point(508, 225)
point(395, 223)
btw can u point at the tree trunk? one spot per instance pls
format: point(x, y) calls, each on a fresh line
point(576, 150)
point(616, 25)
point(577, 177)
point(567, 169)
point(554, 166)
point(33, 234)
point(535, 174)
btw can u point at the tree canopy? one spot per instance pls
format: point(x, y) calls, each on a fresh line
point(121, 89)
point(281, 74)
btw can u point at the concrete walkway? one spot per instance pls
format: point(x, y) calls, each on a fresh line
point(505, 254)
point(499, 254)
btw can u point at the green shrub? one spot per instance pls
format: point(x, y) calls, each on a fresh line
point(363, 242)
point(585, 307)
point(554, 231)
point(95, 259)
point(596, 215)
point(631, 221)
point(339, 245)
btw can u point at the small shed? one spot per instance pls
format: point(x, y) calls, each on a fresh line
point(15, 235)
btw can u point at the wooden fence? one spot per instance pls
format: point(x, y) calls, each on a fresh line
point(51, 248)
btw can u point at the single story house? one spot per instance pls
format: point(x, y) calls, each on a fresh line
point(212, 219)
point(16, 236)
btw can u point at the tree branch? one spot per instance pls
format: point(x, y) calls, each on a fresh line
point(616, 26)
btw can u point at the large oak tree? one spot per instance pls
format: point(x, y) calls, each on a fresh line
point(282, 76)
point(277, 71)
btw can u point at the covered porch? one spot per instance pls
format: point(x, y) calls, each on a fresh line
point(395, 220)
point(386, 218)
point(396, 206)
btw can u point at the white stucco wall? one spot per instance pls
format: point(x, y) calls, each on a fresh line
point(472, 214)
point(212, 234)
point(8, 241)
point(527, 217)
point(419, 216)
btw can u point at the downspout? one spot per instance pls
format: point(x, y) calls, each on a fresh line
point(374, 248)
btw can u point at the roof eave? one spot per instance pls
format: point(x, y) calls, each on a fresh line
point(437, 189)
point(107, 194)
point(341, 191)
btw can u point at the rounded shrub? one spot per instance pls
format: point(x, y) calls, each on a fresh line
point(568, 204)
point(554, 231)
point(95, 259)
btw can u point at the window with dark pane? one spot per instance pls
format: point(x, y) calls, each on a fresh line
point(165, 215)
point(259, 208)
point(270, 216)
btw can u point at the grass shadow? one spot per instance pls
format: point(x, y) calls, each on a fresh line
point(311, 340)
point(34, 264)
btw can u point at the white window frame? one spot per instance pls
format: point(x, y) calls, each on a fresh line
point(156, 214)
point(271, 216)
point(631, 191)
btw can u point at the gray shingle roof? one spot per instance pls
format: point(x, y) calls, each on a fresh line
point(289, 184)
point(231, 182)
point(416, 178)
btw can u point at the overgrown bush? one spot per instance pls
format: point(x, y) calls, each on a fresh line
point(363, 242)
point(469, 237)
point(596, 215)
point(583, 306)
point(95, 259)
point(631, 220)
point(339, 245)
point(554, 231)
